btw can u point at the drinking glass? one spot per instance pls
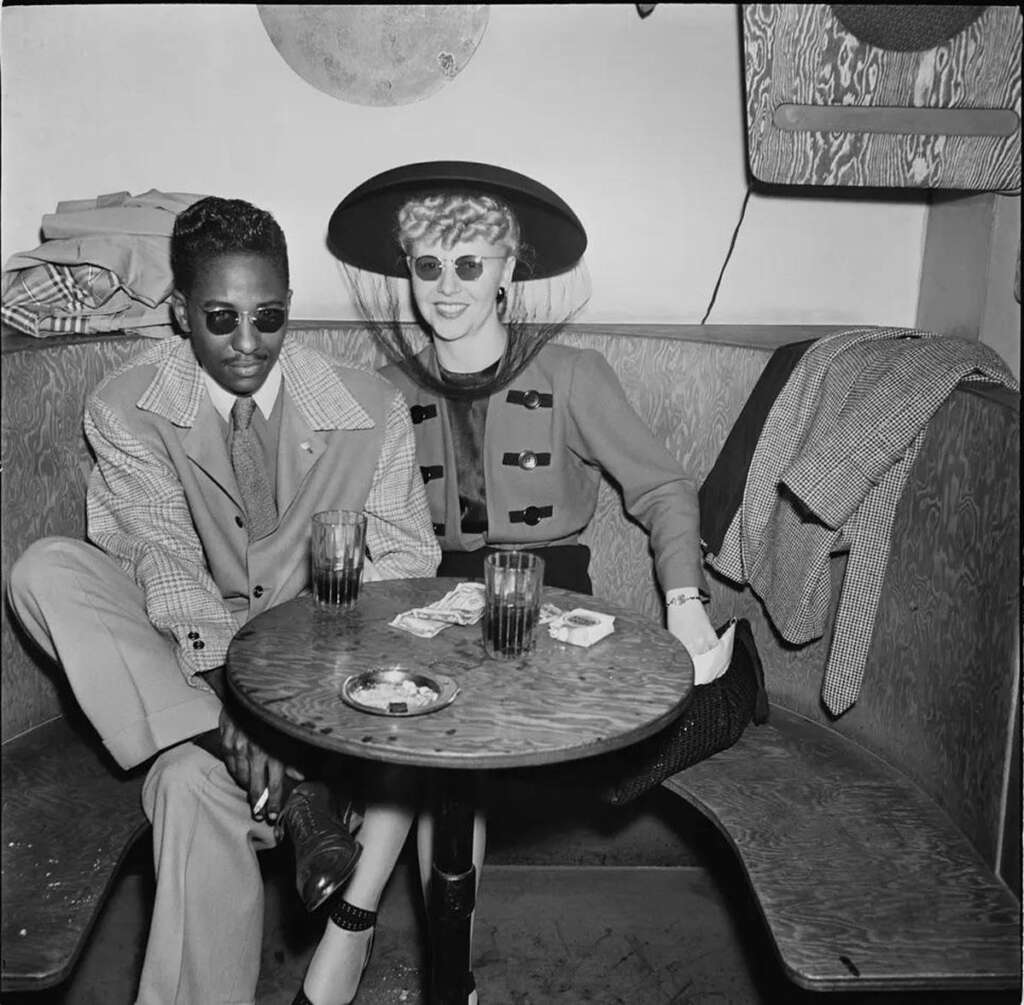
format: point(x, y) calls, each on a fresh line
point(338, 547)
point(512, 595)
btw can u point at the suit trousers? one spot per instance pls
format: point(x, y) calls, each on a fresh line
point(83, 611)
point(206, 932)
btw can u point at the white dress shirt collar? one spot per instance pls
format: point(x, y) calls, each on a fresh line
point(265, 398)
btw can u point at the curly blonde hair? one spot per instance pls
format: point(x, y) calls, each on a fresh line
point(452, 217)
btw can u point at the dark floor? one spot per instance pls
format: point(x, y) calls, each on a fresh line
point(578, 904)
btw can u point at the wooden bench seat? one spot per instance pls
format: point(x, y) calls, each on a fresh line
point(69, 818)
point(863, 882)
point(882, 847)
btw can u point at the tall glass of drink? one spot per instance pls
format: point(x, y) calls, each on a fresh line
point(338, 546)
point(512, 595)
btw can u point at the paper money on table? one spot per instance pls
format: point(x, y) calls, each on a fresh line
point(418, 626)
point(462, 606)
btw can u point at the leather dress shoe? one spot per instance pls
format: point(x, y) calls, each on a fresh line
point(325, 852)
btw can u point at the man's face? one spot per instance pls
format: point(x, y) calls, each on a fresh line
point(244, 288)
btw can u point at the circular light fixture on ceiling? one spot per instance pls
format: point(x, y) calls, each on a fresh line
point(376, 54)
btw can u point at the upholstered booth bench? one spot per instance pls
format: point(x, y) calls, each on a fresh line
point(881, 849)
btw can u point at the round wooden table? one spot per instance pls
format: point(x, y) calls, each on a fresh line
point(559, 703)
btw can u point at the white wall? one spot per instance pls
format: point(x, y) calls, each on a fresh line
point(1000, 322)
point(637, 124)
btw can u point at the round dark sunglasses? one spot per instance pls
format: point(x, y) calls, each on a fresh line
point(467, 267)
point(224, 320)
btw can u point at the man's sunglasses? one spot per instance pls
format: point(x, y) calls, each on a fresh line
point(224, 320)
point(467, 267)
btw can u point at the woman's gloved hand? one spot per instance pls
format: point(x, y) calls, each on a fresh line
point(688, 621)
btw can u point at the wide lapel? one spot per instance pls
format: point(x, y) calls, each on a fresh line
point(178, 394)
point(316, 401)
point(207, 448)
point(299, 448)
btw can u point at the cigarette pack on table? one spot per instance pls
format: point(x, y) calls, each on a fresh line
point(580, 627)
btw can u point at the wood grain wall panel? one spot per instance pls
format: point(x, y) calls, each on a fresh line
point(944, 637)
point(799, 54)
point(949, 606)
point(45, 459)
point(350, 344)
point(689, 394)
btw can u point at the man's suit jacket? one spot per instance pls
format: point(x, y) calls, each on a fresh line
point(163, 500)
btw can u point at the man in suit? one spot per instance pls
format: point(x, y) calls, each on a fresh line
point(212, 454)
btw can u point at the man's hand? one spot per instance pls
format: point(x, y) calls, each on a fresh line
point(253, 768)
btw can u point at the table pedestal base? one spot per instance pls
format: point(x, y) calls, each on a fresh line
point(452, 890)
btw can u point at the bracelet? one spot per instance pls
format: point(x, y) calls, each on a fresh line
point(677, 601)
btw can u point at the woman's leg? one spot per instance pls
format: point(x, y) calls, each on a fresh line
point(714, 720)
point(338, 961)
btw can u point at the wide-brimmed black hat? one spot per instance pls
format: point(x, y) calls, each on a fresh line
point(362, 231)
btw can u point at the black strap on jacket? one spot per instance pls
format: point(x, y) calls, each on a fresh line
point(526, 459)
point(531, 516)
point(420, 412)
point(530, 399)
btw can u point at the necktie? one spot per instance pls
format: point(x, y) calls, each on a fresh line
point(251, 472)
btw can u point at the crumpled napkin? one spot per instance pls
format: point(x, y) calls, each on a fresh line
point(462, 606)
point(711, 665)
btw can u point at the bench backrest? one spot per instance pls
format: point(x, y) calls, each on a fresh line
point(939, 698)
point(940, 695)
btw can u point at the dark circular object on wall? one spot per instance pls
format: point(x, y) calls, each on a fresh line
point(905, 27)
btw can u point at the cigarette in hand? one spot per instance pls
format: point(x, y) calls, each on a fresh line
point(261, 802)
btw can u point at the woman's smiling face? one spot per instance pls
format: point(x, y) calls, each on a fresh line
point(458, 309)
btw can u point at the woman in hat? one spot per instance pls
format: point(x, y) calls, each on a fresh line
point(513, 431)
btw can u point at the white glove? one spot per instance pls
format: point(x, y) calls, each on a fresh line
point(689, 623)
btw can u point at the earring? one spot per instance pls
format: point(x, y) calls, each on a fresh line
point(502, 296)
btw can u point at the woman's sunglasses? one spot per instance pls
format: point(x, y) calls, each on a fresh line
point(224, 320)
point(467, 267)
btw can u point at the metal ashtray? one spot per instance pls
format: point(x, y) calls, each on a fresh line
point(396, 692)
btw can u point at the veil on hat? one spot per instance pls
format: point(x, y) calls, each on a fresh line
point(549, 285)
